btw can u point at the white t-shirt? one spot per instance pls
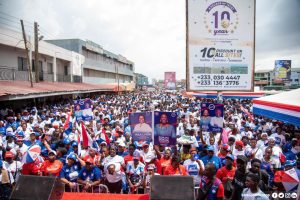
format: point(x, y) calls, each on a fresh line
point(279, 139)
point(115, 159)
point(116, 176)
point(249, 134)
point(14, 168)
point(236, 153)
point(192, 168)
point(248, 195)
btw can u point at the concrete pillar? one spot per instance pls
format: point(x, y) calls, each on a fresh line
point(54, 68)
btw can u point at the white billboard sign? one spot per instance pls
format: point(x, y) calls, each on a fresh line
point(220, 45)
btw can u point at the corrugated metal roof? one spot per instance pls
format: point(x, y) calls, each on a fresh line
point(23, 87)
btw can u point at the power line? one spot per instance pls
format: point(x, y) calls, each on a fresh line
point(15, 20)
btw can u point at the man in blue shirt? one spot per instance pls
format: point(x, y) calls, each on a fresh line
point(70, 172)
point(211, 158)
point(89, 177)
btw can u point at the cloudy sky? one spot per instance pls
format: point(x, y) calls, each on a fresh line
point(151, 33)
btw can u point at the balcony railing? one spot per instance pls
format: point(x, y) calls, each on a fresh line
point(7, 73)
point(63, 78)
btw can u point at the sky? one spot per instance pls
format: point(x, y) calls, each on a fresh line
point(151, 33)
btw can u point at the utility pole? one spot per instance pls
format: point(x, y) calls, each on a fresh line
point(27, 54)
point(118, 80)
point(36, 53)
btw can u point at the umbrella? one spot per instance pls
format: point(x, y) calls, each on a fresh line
point(32, 154)
point(290, 180)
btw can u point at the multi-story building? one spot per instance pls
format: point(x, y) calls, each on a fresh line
point(265, 79)
point(56, 64)
point(141, 80)
point(100, 66)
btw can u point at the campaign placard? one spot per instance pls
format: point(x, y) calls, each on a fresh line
point(141, 126)
point(170, 80)
point(282, 69)
point(83, 109)
point(212, 117)
point(165, 128)
point(220, 45)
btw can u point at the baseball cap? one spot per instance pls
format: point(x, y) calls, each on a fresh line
point(51, 152)
point(66, 141)
point(122, 144)
point(230, 157)
point(264, 133)
point(89, 160)
point(9, 154)
point(210, 148)
point(136, 155)
point(19, 139)
point(9, 130)
point(74, 144)
point(145, 144)
point(72, 156)
point(226, 147)
point(271, 138)
point(151, 166)
point(240, 143)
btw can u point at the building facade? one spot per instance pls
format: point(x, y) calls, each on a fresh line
point(265, 80)
point(56, 64)
point(100, 66)
point(141, 80)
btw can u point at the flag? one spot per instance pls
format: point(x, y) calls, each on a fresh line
point(244, 110)
point(86, 138)
point(68, 125)
point(105, 138)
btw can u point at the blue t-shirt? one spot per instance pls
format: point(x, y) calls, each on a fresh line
point(70, 172)
point(214, 159)
point(92, 175)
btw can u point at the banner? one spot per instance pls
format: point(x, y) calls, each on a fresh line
point(220, 45)
point(282, 69)
point(170, 80)
point(83, 109)
point(212, 117)
point(141, 126)
point(165, 128)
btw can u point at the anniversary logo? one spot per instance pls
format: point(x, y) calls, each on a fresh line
point(220, 45)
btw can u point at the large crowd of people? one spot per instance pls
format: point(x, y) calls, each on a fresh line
point(246, 160)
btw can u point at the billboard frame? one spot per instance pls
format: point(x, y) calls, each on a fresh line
point(188, 54)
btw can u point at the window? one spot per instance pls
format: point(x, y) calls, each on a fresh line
point(50, 68)
point(33, 65)
point(66, 70)
point(22, 64)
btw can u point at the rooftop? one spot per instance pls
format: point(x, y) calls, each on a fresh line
point(13, 90)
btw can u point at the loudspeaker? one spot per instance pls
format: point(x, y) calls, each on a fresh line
point(38, 188)
point(172, 188)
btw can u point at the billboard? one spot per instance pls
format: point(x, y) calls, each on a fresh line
point(282, 70)
point(83, 109)
point(165, 128)
point(212, 117)
point(141, 126)
point(220, 45)
point(170, 80)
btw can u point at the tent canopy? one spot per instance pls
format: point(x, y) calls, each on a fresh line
point(284, 106)
point(230, 95)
